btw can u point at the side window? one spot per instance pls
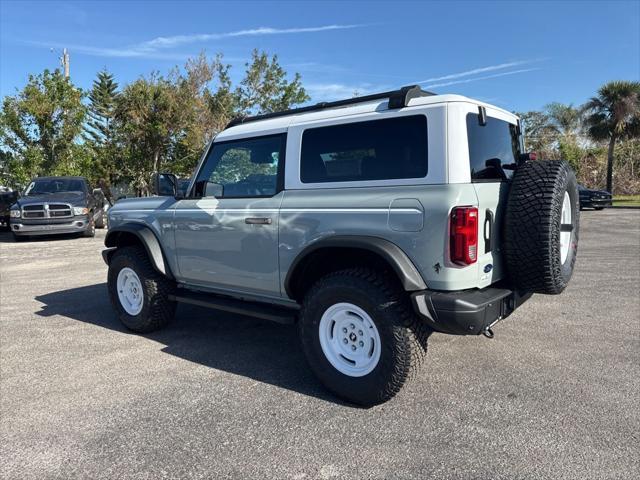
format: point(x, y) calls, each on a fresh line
point(242, 168)
point(493, 149)
point(374, 150)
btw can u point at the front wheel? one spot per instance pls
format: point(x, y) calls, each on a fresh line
point(360, 335)
point(138, 292)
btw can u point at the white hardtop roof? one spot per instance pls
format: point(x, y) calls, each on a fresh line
point(278, 124)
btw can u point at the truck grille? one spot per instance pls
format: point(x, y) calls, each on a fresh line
point(46, 210)
point(60, 210)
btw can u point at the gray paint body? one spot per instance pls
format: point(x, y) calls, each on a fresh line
point(209, 246)
point(207, 243)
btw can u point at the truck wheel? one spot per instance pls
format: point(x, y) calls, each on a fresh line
point(100, 220)
point(541, 226)
point(360, 335)
point(138, 292)
point(91, 228)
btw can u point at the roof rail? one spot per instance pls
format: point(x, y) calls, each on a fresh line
point(397, 99)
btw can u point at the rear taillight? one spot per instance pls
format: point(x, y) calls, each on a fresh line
point(464, 235)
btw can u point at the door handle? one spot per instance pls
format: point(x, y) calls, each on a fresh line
point(257, 221)
point(488, 227)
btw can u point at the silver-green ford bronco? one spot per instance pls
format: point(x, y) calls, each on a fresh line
point(369, 222)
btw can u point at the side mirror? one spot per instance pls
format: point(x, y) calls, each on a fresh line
point(165, 184)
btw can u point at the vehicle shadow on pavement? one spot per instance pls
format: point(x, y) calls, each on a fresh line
point(7, 237)
point(261, 350)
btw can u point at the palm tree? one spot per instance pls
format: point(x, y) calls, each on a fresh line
point(563, 119)
point(613, 115)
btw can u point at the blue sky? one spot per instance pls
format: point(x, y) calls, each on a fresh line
point(518, 55)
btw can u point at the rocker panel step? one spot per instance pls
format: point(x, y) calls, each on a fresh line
point(242, 307)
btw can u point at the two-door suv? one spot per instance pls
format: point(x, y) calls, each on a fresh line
point(371, 222)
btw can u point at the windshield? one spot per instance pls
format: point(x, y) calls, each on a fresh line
point(56, 185)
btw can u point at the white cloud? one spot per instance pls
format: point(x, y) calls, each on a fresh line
point(475, 71)
point(324, 92)
point(486, 77)
point(176, 40)
point(153, 48)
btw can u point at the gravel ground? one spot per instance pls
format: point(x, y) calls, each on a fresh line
point(554, 395)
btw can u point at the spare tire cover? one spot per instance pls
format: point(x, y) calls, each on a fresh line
point(540, 231)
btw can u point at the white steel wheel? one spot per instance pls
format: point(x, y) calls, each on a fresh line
point(565, 233)
point(349, 339)
point(130, 291)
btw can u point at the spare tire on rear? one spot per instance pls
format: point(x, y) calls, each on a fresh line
point(541, 226)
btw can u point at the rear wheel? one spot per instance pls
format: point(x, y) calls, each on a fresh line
point(138, 292)
point(360, 335)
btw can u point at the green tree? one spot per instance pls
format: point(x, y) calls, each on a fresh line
point(99, 128)
point(265, 87)
point(564, 120)
point(539, 133)
point(614, 114)
point(40, 124)
point(148, 118)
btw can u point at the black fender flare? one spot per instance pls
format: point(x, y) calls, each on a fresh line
point(396, 258)
point(147, 238)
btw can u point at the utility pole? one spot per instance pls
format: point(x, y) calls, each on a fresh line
point(64, 60)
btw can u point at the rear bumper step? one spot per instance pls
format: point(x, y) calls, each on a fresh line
point(241, 307)
point(467, 312)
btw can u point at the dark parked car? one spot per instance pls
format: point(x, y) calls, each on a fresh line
point(597, 199)
point(6, 200)
point(53, 205)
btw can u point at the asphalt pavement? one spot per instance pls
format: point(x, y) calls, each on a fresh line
point(555, 395)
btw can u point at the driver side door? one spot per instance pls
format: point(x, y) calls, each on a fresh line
point(226, 233)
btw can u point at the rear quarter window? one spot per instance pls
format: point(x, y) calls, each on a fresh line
point(386, 149)
point(493, 149)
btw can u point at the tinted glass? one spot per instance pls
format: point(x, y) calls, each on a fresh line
point(374, 150)
point(493, 148)
point(243, 168)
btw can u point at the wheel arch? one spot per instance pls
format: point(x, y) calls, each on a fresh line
point(345, 251)
point(134, 234)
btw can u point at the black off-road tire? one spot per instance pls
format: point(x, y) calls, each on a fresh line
point(403, 335)
point(531, 236)
point(157, 310)
point(100, 222)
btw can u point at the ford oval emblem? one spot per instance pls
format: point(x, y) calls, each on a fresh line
point(488, 268)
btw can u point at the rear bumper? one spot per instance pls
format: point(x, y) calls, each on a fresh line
point(466, 312)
